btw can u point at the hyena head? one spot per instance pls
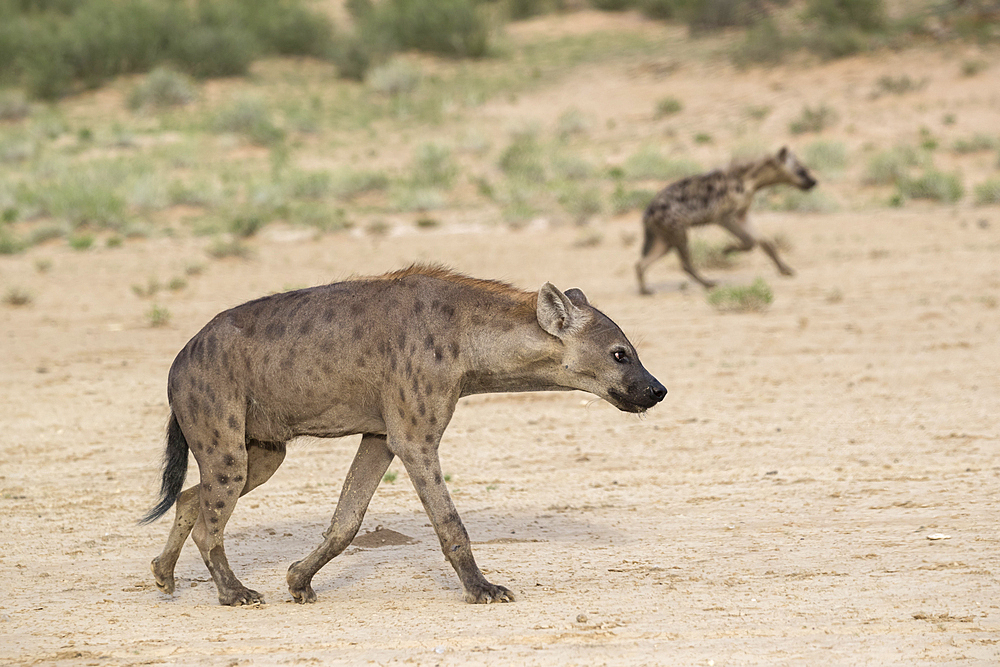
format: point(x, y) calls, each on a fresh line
point(792, 171)
point(596, 356)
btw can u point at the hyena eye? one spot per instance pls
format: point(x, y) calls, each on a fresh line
point(621, 356)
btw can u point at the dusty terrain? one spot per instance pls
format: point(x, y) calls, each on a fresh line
point(820, 486)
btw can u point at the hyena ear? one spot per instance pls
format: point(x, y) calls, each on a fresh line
point(783, 153)
point(557, 315)
point(577, 297)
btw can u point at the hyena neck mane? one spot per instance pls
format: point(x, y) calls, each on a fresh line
point(757, 174)
point(490, 287)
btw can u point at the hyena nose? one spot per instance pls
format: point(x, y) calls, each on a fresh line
point(656, 391)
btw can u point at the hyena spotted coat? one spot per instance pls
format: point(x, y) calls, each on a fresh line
point(385, 357)
point(722, 197)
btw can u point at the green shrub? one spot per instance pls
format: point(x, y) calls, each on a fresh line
point(988, 192)
point(755, 297)
point(581, 203)
point(974, 144)
point(889, 167)
point(522, 159)
point(310, 184)
point(710, 15)
point(433, 166)
point(835, 42)
point(763, 44)
point(250, 117)
point(867, 15)
point(934, 185)
point(706, 255)
point(447, 27)
point(162, 88)
point(623, 201)
point(660, 9)
point(648, 164)
point(898, 85)
point(612, 5)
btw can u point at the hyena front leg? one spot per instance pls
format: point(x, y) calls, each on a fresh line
point(740, 228)
point(424, 469)
point(262, 460)
point(685, 253)
point(370, 463)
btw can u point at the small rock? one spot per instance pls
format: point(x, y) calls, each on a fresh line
point(938, 536)
point(581, 618)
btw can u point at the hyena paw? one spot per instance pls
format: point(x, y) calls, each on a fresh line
point(164, 580)
point(488, 593)
point(238, 597)
point(299, 585)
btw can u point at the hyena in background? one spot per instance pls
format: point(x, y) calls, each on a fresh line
point(722, 197)
point(386, 357)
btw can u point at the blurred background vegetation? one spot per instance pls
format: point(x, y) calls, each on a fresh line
point(238, 113)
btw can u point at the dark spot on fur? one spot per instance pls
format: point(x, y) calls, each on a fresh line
point(438, 353)
point(287, 363)
point(402, 395)
point(448, 310)
point(437, 478)
point(328, 314)
point(416, 387)
point(219, 505)
point(429, 438)
point(358, 333)
point(233, 422)
point(429, 341)
point(274, 330)
point(418, 307)
point(357, 309)
point(206, 486)
point(306, 328)
point(432, 420)
point(401, 340)
point(222, 479)
point(413, 421)
point(453, 348)
point(421, 408)
point(229, 460)
point(214, 519)
point(409, 368)
point(238, 478)
point(402, 413)
point(478, 320)
point(429, 389)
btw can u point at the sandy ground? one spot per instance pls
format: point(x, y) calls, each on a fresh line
point(777, 508)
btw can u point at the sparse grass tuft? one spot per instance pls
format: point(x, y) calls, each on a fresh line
point(755, 297)
point(976, 143)
point(433, 166)
point(648, 164)
point(158, 316)
point(250, 117)
point(898, 85)
point(974, 66)
point(668, 106)
point(394, 78)
point(889, 167)
point(390, 476)
point(162, 88)
point(81, 241)
point(17, 296)
point(623, 201)
point(813, 120)
point(221, 248)
point(934, 185)
point(988, 192)
point(522, 158)
point(763, 44)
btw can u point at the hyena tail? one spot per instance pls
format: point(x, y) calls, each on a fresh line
point(175, 462)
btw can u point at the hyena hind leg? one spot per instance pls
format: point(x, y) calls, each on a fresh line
point(262, 460)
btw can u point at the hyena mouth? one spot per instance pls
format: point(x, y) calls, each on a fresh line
point(624, 403)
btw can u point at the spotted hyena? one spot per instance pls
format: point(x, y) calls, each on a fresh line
point(722, 197)
point(386, 357)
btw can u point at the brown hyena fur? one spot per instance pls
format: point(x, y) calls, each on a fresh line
point(722, 197)
point(385, 357)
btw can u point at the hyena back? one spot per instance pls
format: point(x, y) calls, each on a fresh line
point(722, 197)
point(386, 357)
